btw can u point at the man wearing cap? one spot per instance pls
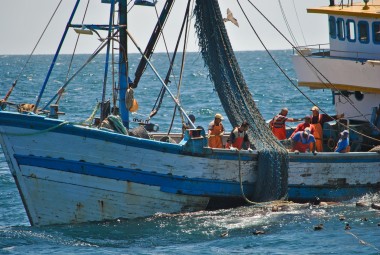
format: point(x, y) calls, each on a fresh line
point(303, 126)
point(343, 143)
point(216, 132)
point(302, 140)
point(277, 124)
point(317, 121)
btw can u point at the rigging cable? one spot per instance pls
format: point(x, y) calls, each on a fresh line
point(181, 72)
point(299, 23)
point(287, 23)
point(93, 55)
point(291, 81)
point(30, 55)
point(160, 97)
point(72, 55)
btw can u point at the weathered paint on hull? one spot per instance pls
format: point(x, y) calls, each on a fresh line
point(333, 176)
point(74, 174)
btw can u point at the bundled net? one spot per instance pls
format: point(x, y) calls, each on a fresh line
point(238, 103)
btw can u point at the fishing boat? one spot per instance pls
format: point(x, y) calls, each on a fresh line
point(111, 167)
point(348, 66)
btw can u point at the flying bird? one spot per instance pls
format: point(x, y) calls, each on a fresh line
point(231, 18)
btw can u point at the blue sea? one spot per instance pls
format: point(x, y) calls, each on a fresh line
point(290, 231)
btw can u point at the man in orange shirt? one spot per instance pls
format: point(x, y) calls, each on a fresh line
point(277, 124)
point(216, 132)
point(317, 121)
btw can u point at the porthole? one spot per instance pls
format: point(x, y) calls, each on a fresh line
point(359, 95)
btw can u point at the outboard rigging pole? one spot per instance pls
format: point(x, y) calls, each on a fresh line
point(152, 42)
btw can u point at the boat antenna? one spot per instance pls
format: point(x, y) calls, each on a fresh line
point(30, 55)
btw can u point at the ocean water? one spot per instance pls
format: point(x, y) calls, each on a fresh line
point(288, 231)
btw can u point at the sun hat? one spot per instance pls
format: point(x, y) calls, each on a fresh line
point(314, 108)
point(218, 116)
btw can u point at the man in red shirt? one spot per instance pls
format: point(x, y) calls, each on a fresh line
point(303, 126)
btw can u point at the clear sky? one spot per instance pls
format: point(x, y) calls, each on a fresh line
point(23, 21)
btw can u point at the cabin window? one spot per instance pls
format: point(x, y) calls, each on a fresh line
point(332, 27)
point(376, 32)
point(351, 31)
point(340, 26)
point(363, 32)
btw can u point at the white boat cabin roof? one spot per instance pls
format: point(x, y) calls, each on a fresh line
point(354, 30)
point(355, 10)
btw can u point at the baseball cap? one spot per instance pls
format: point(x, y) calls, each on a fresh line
point(218, 116)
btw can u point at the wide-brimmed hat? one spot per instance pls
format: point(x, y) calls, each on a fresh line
point(314, 108)
point(218, 116)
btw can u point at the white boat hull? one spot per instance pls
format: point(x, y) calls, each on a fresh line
point(333, 176)
point(71, 174)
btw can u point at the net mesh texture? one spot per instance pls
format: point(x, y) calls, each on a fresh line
point(238, 103)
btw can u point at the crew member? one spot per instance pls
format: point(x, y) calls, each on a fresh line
point(302, 140)
point(216, 132)
point(304, 125)
point(343, 144)
point(317, 121)
point(239, 138)
point(277, 124)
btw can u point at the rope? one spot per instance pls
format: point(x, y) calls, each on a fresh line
point(299, 23)
point(363, 242)
point(92, 116)
point(185, 41)
point(241, 183)
point(287, 23)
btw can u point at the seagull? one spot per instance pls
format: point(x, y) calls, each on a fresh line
point(231, 18)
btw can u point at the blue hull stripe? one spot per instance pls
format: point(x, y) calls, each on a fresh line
point(168, 183)
point(304, 193)
point(353, 159)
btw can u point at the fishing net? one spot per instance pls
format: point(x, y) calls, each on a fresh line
point(238, 103)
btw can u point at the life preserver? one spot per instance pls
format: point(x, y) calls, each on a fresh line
point(331, 143)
